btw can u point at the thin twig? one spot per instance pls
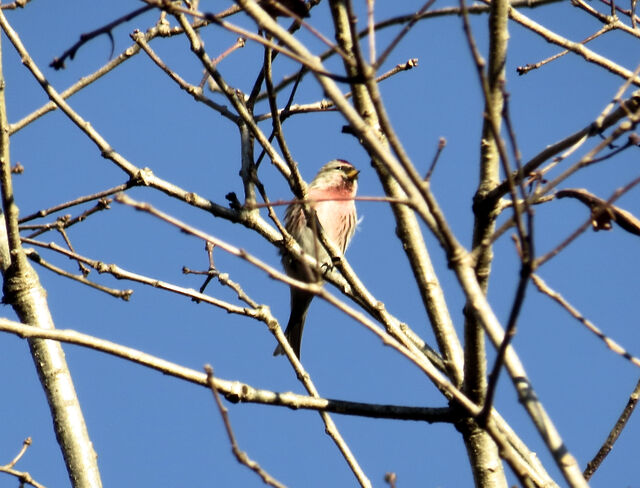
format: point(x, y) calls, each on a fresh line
point(405, 30)
point(240, 43)
point(327, 105)
point(605, 120)
point(234, 96)
point(65, 236)
point(630, 105)
point(509, 334)
point(241, 456)
point(77, 201)
point(403, 19)
point(58, 63)
point(284, 114)
point(176, 10)
point(211, 272)
point(617, 429)
point(224, 280)
point(195, 91)
point(25, 445)
point(560, 300)
point(587, 160)
point(36, 258)
point(161, 29)
point(575, 47)
point(66, 221)
point(442, 143)
point(608, 20)
point(275, 116)
point(522, 70)
point(23, 476)
point(122, 274)
point(628, 12)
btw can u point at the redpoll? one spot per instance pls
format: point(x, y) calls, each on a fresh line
point(336, 179)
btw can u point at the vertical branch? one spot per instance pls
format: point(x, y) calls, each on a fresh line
point(480, 448)
point(22, 290)
point(485, 210)
point(408, 228)
point(492, 88)
point(483, 454)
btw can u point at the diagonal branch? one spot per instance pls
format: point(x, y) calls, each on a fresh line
point(58, 63)
point(617, 429)
point(241, 456)
point(234, 391)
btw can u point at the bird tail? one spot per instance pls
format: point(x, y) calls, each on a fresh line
point(300, 302)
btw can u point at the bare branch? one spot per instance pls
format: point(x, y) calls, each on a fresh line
point(234, 391)
point(58, 63)
point(22, 476)
point(522, 70)
point(241, 456)
point(617, 429)
point(575, 47)
point(195, 91)
point(23, 291)
point(558, 298)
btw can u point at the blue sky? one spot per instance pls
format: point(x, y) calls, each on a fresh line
point(152, 430)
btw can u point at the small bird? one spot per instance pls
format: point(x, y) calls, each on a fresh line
point(337, 179)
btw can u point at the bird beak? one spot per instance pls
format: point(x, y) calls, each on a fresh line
point(352, 174)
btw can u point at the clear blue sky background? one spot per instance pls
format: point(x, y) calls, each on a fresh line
point(151, 430)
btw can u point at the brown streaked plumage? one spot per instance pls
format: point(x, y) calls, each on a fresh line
point(337, 179)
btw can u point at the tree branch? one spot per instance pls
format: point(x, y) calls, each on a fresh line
point(233, 391)
point(22, 290)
